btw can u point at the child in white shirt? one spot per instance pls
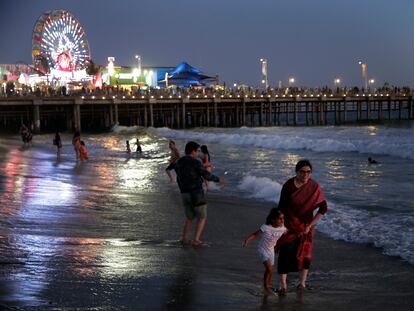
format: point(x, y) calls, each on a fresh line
point(269, 234)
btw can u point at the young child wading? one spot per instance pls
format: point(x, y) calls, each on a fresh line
point(269, 234)
point(83, 151)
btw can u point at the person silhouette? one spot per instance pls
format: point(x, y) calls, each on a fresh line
point(372, 161)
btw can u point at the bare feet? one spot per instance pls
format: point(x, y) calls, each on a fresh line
point(282, 291)
point(197, 243)
point(269, 292)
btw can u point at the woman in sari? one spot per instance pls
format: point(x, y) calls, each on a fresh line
point(299, 198)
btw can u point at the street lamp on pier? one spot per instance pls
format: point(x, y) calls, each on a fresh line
point(364, 73)
point(337, 81)
point(371, 82)
point(263, 64)
point(138, 58)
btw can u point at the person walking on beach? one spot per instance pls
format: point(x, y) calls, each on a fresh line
point(269, 233)
point(58, 143)
point(299, 198)
point(76, 144)
point(175, 155)
point(190, 175)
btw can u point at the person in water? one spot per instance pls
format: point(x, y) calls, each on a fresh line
point(138, 144)
point(190, 176)
point(175, 156)
point(83, 151)
point(128, 147)
point(76, 144)
point(372, 161)
point(58, 143)
point(300, 197)
point(26, 135)
point(269, 233)
point(205, 160)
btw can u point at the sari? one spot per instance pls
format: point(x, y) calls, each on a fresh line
point(298, 205)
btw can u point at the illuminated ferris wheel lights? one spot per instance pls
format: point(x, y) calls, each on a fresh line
point(61, 40)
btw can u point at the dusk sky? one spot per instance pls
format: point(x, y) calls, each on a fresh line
point(314, 41)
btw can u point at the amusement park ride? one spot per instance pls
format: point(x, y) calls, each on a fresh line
point(61, 57)
point(60, 50)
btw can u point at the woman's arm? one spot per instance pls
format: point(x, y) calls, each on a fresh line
point(323, 207)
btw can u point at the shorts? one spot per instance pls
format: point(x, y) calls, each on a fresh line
point(170, 167)
point(266, 255)
point(192, 211)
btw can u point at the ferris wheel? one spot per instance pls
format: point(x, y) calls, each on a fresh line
point(59, 42)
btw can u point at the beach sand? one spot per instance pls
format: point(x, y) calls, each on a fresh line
point(137, 263)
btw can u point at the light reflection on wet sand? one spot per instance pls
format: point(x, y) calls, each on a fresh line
point(54, 214)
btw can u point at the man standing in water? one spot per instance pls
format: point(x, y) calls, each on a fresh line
point(190, 174)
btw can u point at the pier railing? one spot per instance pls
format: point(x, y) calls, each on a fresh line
point(88, 113)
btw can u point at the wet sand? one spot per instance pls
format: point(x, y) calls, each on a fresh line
point(137, 263)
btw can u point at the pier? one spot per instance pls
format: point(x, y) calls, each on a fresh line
point(92, 113)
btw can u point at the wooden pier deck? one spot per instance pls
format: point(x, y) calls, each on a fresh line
point(92, 113)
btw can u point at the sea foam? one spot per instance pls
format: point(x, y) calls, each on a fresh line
point(371, 140)
point(261, 188)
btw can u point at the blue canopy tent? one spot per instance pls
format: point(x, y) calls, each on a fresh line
point(185, 75)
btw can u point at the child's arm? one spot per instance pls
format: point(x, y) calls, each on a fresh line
point(252, 236)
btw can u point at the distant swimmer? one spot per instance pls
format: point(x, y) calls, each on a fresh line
point(372, 161)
